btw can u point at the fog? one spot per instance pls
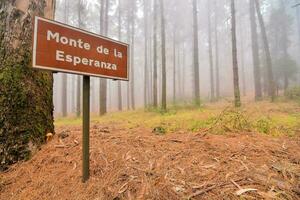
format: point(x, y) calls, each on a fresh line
point(134, 22)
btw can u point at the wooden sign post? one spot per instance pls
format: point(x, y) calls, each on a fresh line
point(62, 48)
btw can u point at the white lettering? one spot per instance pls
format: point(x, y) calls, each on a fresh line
point(60, 55)
point(50, 36)
point(75, 60)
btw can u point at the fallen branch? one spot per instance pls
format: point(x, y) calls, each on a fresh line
point(200, 192)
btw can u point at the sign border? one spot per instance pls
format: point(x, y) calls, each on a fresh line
point(71, 71)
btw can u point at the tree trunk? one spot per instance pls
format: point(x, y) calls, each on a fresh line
point(132, 53)
point(155, 100)
point(163, 55)
point(120, 38)
point(103, 82)
point(298, 23)
point(211, 65)
point(237, 100)
point(174, 65)
point(26, 111)
point(146, 52)
point(128, 41)
point(270, 81)
point(64, 76)
point(196, 55)
point(217, 53)
point(80, 10)
point(255, 53)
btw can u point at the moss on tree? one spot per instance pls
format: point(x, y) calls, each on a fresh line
point(26, 106)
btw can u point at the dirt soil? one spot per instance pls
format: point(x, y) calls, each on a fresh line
point(139, 164)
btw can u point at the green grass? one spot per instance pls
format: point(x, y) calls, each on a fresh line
point(274, 119)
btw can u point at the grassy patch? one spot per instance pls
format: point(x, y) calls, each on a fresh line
point(274, 119)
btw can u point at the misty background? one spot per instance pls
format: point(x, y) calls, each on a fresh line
point(136, 21)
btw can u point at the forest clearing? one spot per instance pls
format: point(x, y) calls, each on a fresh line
point(213, 152)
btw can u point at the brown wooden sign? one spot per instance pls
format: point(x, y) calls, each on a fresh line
point(62, 48)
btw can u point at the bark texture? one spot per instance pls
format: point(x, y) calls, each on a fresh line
point(255, 53)
point(196, 54)
point(270, 81)
point(164, 60)
point(26, 111)
point(237, 98)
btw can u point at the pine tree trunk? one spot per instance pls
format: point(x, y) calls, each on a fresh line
point(217, 53)
point(133, 6)
point(211, 64)
point(26, 111)
point(103, 82)
point(255, 53)
point(64, 76)
point(196, 55)
point(163, 54)
point(270, 81)
point(128, 41)
point(174, 65)
point(237, 100)
point(120, 38)
point(155, 100)
point(298, 25)
point(145, 53)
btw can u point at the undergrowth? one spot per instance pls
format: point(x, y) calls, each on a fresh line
point(263, 117)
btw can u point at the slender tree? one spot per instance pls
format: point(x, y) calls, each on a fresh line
point(120, 38)
point(163, 55)
point(80, 10)
point(196, 54)
point(255, 53)
point(64, 76)
point(103, 82)
point(132, 81)
point(146, 52)
point(155, 101)
point(217, 53)
point(237, 100)
point(174, 64)
point(270, 81)
point(26, 111)
point(128, 30)
point(210, 53)
point(298, 22)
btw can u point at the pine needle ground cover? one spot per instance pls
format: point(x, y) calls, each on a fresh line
point(213, 152)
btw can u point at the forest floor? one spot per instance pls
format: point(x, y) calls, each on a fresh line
point(212, 152)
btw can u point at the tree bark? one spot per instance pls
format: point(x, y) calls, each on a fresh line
point(210, 53)
point(163, 54)
point(237, 100)
point(103, 82)
point(155, 100)
point(64, 76)
point(217, 53)
point(80, 10)
point(120, 38)
point(255, 53)
point(26, 111)
point(145, 53)
point(174, 65)
point(128, 41)
point(270, 81)
point(196, 55)
point(133, 6)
